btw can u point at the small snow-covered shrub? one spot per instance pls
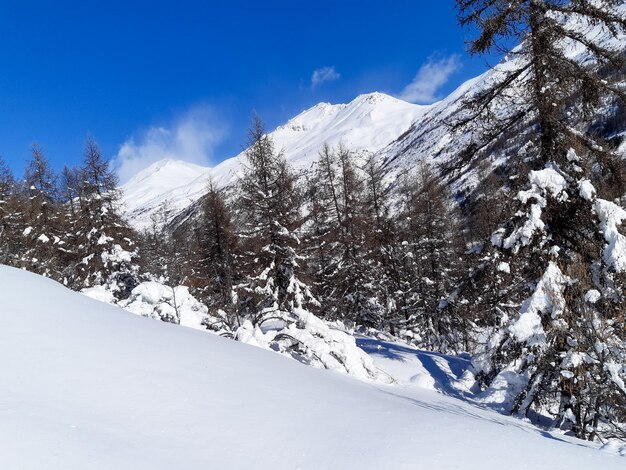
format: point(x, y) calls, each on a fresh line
point(313, 341)
point(153, 299)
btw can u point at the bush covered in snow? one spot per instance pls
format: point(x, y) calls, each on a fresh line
point(315, 342)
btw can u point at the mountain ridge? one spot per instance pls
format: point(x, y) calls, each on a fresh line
point(367, 124)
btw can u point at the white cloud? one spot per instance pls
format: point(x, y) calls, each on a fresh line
point(191, 137)
point(324, 74)
point(429, 79)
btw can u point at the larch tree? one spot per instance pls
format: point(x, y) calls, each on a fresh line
point(218, 257)
point(42, 232)
point(549, 283)
point(429, 250)
point(10, 215)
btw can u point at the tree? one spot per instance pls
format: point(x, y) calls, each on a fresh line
point(348, 218)
point(10, 216)
point(217, 251)
point(429, 252)
point(42, 232)
point(268, 211)
point(548, 340)
point(107, 249)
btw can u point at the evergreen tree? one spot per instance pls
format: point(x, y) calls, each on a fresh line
point(552, 339)
point(268, 205)
point(107, 250)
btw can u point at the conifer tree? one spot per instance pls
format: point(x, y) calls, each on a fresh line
point(41, 235)
point(430, 251)
point(348, 238)
point(10, 218)
point(218, 258)
point(553, 340)
point(268, 205)
point(107, 249)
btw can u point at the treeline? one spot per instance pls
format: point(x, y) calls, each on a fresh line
point(343, 240)
point(68, 226)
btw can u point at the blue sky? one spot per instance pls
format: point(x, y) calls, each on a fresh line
point(185, 76)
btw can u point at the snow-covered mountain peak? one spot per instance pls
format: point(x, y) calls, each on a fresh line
point(171, 169)
point(142, 195)
point(375, 98)
point(368, 123)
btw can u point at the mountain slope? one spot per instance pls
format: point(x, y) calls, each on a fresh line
point(143, 194)
point(87, 385)
point(401, 133)
point(366, 124)
point(430, 138)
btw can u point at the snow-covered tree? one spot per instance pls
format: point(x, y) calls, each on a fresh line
point(269, 213)
point(107, 250)
point(549, 284)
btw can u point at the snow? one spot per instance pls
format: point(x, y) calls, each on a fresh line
point(546, 299)
point(592, 296)
point(87, 385)
point(586, 189)
point(154, 300)
point(100, 293)
point(542, 183)
point(504, 267)
point(366, 124)
point(548, 180)
point(611, 216)
point(164, 188)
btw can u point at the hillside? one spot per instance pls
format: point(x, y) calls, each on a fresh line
point(87, 385)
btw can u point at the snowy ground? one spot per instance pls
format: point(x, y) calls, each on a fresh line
point(88, 386)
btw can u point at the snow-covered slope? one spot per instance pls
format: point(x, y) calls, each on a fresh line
point(165, 187)
point(87, 385)
point(368, 123)
point(430, 138)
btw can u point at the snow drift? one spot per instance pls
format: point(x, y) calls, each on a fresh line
point(87, 385)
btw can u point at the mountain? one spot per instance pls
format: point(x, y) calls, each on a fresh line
point(430, 139)
point(402, 134)
point(164, 188)
point(88, 385)
point(366, 124)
